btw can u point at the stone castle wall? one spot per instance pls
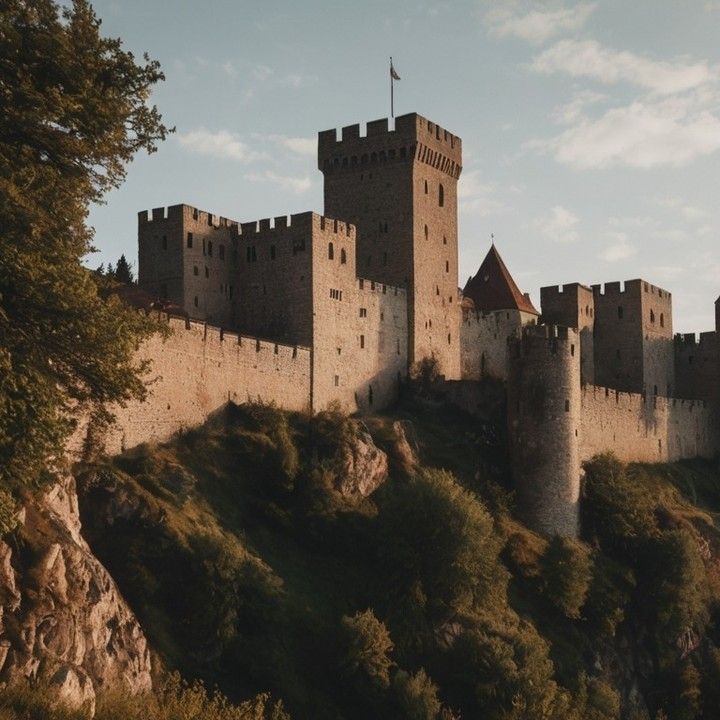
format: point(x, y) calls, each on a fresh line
point(642, 428)
point(697, 366)
point(195, 372)
point(484, 341)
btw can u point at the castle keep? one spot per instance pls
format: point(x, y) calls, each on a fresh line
point(310, 309)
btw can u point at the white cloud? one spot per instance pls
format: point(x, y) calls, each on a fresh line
point(560, 225)
point(620, 249)
point(689, 212)
point(221, 144)
point(299, 145)
point(574, 110)
point(477, 197)
point(297, 185)
point(229, 68)
point(537, 26)
point(588, 58)
point(644, 134)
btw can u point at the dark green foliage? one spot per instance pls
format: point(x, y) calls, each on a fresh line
point(173, 700)
point(417, 695)
point(123, 272)
point(367, 649)
point(75, 112)
point(567, 572)
point(240, 536)
point(616, 511)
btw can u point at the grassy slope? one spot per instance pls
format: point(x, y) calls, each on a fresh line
point(303, 564)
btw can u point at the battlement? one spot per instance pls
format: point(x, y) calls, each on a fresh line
point(566, 289)
point(413, 137)
point(187, 212)
point(383, 289)
point(634, 288)
point(689, 341)
point(304, 222)
point(559, 332)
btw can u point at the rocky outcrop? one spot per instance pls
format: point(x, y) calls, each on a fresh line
point(360, 466)
point(63, 622)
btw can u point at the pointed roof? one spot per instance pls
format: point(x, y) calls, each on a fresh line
point(492, 287)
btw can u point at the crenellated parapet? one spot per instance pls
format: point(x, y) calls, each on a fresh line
point(413, 137)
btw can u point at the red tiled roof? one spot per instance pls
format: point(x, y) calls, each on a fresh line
point(492, 287)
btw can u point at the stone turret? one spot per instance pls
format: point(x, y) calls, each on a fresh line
point(544, 417)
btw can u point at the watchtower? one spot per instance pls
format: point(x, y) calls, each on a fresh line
point(399, 188)
point(634, 338)
point(544, 414)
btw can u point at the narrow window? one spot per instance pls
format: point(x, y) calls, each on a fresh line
point(222, 252)
point(662, 320)
point(449, 338)
point(444, 240)
point(620, 312)
point(572, 351)
point(441, 196)
point(337, 380)
point(204, 249)
point(426, 232)
point(196, 301)
point(164, 242)
point(447, 266)
point(189, 240)
point(567, 406)
point(343, 256)
point(253, 254)
point(195, 270)
point(397, 345)
point(210, 248)
point(362, 342)
point(331, 251)
point(272, 252)
point(426, 187)
point(207, 272)
point(652, 316)
point(363, 312)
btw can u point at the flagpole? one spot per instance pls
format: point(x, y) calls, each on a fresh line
point(392, 99)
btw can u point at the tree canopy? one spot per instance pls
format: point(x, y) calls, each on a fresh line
point(75, 112)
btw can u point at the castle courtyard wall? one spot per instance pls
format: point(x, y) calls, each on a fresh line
point(195, 372)
point(641, 428)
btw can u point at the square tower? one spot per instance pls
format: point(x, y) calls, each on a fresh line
point(399, 188)
point(634, 338)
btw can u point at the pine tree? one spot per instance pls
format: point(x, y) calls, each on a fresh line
point(123, 272)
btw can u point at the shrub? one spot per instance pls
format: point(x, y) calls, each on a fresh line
point(417, 695)
point(367, 648)
point(567, 572)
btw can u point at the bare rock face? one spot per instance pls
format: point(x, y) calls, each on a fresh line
point(63, 622)
point(360, 465)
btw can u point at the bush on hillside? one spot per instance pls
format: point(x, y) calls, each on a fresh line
point(567, 573)
point(368, 646)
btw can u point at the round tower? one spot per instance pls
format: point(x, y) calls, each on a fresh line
point(544, 399)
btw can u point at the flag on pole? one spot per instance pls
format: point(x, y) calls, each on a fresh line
point(393, 74)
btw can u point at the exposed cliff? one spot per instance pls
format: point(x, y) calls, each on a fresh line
point(64, 622)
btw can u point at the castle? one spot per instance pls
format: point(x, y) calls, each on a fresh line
point(311, 309)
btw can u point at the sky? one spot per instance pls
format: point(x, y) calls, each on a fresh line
point(591, 130)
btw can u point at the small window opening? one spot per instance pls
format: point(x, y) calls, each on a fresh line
point(447, 266)
point(426, 187)
point(662, 320)
point(567, 406)
point(195, 301)
point(652, 316)
point(337, 380)
point(441, 196)
point(620, 312)
point(195, 270)
point(426, 232)
point(210, 248)
point(221, 251)
point(207, 272)
point(343, 256)
point(164, 242)
point(189, 240)
point(362, 342)
point(331, 251)
point(272, 252)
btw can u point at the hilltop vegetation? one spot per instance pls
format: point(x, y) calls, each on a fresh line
point(251, 569)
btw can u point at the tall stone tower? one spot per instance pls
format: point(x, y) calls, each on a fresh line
point(399, 188)
point(544, 413)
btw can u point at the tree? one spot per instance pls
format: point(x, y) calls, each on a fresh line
point(75, 112)
point(417, 695)
point(123, 271)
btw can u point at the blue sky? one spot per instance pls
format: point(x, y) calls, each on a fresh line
point(591, 130)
